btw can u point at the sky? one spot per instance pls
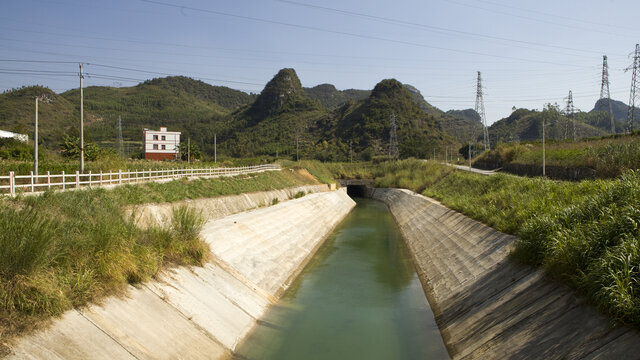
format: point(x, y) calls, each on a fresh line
point(529, 53)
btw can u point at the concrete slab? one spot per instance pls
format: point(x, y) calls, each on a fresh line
point(489, 307)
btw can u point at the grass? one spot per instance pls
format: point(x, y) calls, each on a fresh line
point(586, 234)
point(610, 156)
point(66, 249)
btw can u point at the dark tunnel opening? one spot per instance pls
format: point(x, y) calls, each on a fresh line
point(357, 190)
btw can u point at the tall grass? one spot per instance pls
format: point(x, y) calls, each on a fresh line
point(61, 250)
point(586, 234)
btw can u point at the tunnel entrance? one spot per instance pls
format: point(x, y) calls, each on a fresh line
point(359, 191)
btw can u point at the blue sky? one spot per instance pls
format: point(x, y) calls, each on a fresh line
point(529, 52)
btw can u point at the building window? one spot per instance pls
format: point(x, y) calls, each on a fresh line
point(155, 146)
point(164, 137)
point(155, 137)
point(164, 147)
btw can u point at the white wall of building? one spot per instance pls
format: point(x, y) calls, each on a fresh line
point(162, 141)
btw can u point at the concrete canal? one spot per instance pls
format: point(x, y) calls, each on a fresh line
point(359, 298)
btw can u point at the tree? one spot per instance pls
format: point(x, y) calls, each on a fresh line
point(70, 147)
point(193, 151)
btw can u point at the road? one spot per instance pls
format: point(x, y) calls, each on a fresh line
point(477, 171)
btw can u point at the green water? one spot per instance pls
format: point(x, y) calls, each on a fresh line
point(359, 298)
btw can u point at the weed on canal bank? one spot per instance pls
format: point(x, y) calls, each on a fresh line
point(63, 250)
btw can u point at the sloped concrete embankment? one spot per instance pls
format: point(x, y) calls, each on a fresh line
point(486, 305)
point(200, 313)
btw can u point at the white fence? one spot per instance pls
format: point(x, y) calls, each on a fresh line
point(12, 184)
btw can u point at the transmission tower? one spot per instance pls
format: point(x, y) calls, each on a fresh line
point(569, 111)
point(635, 68)
point(480, 110)
point(394, 153)
point(120, 141)
point(604, 91)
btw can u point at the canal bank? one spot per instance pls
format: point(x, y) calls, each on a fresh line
point(488, 306)
point(359, 298)
point(200, 312)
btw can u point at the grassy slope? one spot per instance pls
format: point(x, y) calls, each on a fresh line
point(610, 156)
point(586, 234)
point(62, 250)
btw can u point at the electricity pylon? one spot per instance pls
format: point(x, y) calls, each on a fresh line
point(569, 112)
point(635, 69)
point(480, 110)
point(604, 91)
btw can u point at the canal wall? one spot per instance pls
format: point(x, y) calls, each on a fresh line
point(200, 312)
point(488, 306)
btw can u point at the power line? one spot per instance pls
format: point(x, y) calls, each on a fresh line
point(510, 14)
point(431, 27)
point(345, 33)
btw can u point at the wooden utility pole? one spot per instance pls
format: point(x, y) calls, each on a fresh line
point(81, 124)
point(188, 150)
point(215, 149)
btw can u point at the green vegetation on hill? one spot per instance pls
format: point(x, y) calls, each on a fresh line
point(330, 97)
point(609, 156)
point(526, 125)
point(367, 124)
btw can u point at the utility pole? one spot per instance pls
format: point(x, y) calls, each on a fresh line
point(188, 150)
point(394, 152)
point(350, 151)
point(120, 141)
point(480, 110)
point(215, 149)
point(604, 91)
point(81, 123)
point(35, 143)
point(635, 68)
point(297, 149)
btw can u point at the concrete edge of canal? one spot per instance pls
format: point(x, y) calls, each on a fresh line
point(488, 306)
point(202, 312)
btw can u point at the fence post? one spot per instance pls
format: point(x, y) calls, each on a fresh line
point(48, 179)
point(77, 179)
point(119, 176)
point(100, 177)
point(89, 178)
point(32, 187)
point(12, 183)
point(63, 181)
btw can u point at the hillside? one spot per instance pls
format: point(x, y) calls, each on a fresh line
point(620, 111)
point(331, 98)
point(368, 123)
point(281, 115)
point(17, 114)
point(464, 125)
point(526, 125)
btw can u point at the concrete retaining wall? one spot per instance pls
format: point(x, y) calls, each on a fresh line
point(201, 313)
point(490, 307)
point(219, 207)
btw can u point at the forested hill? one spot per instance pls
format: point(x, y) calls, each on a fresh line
point(320, 122)
point(176, 102)
point(331, 98)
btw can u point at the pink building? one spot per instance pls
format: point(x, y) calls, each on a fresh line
point(161, 145)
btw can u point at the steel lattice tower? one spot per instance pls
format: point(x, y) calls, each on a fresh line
point(394, 152)
point(604, 91)
point(120, 141)
point(569, 111)
point(480, 110)
point(635, 68)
